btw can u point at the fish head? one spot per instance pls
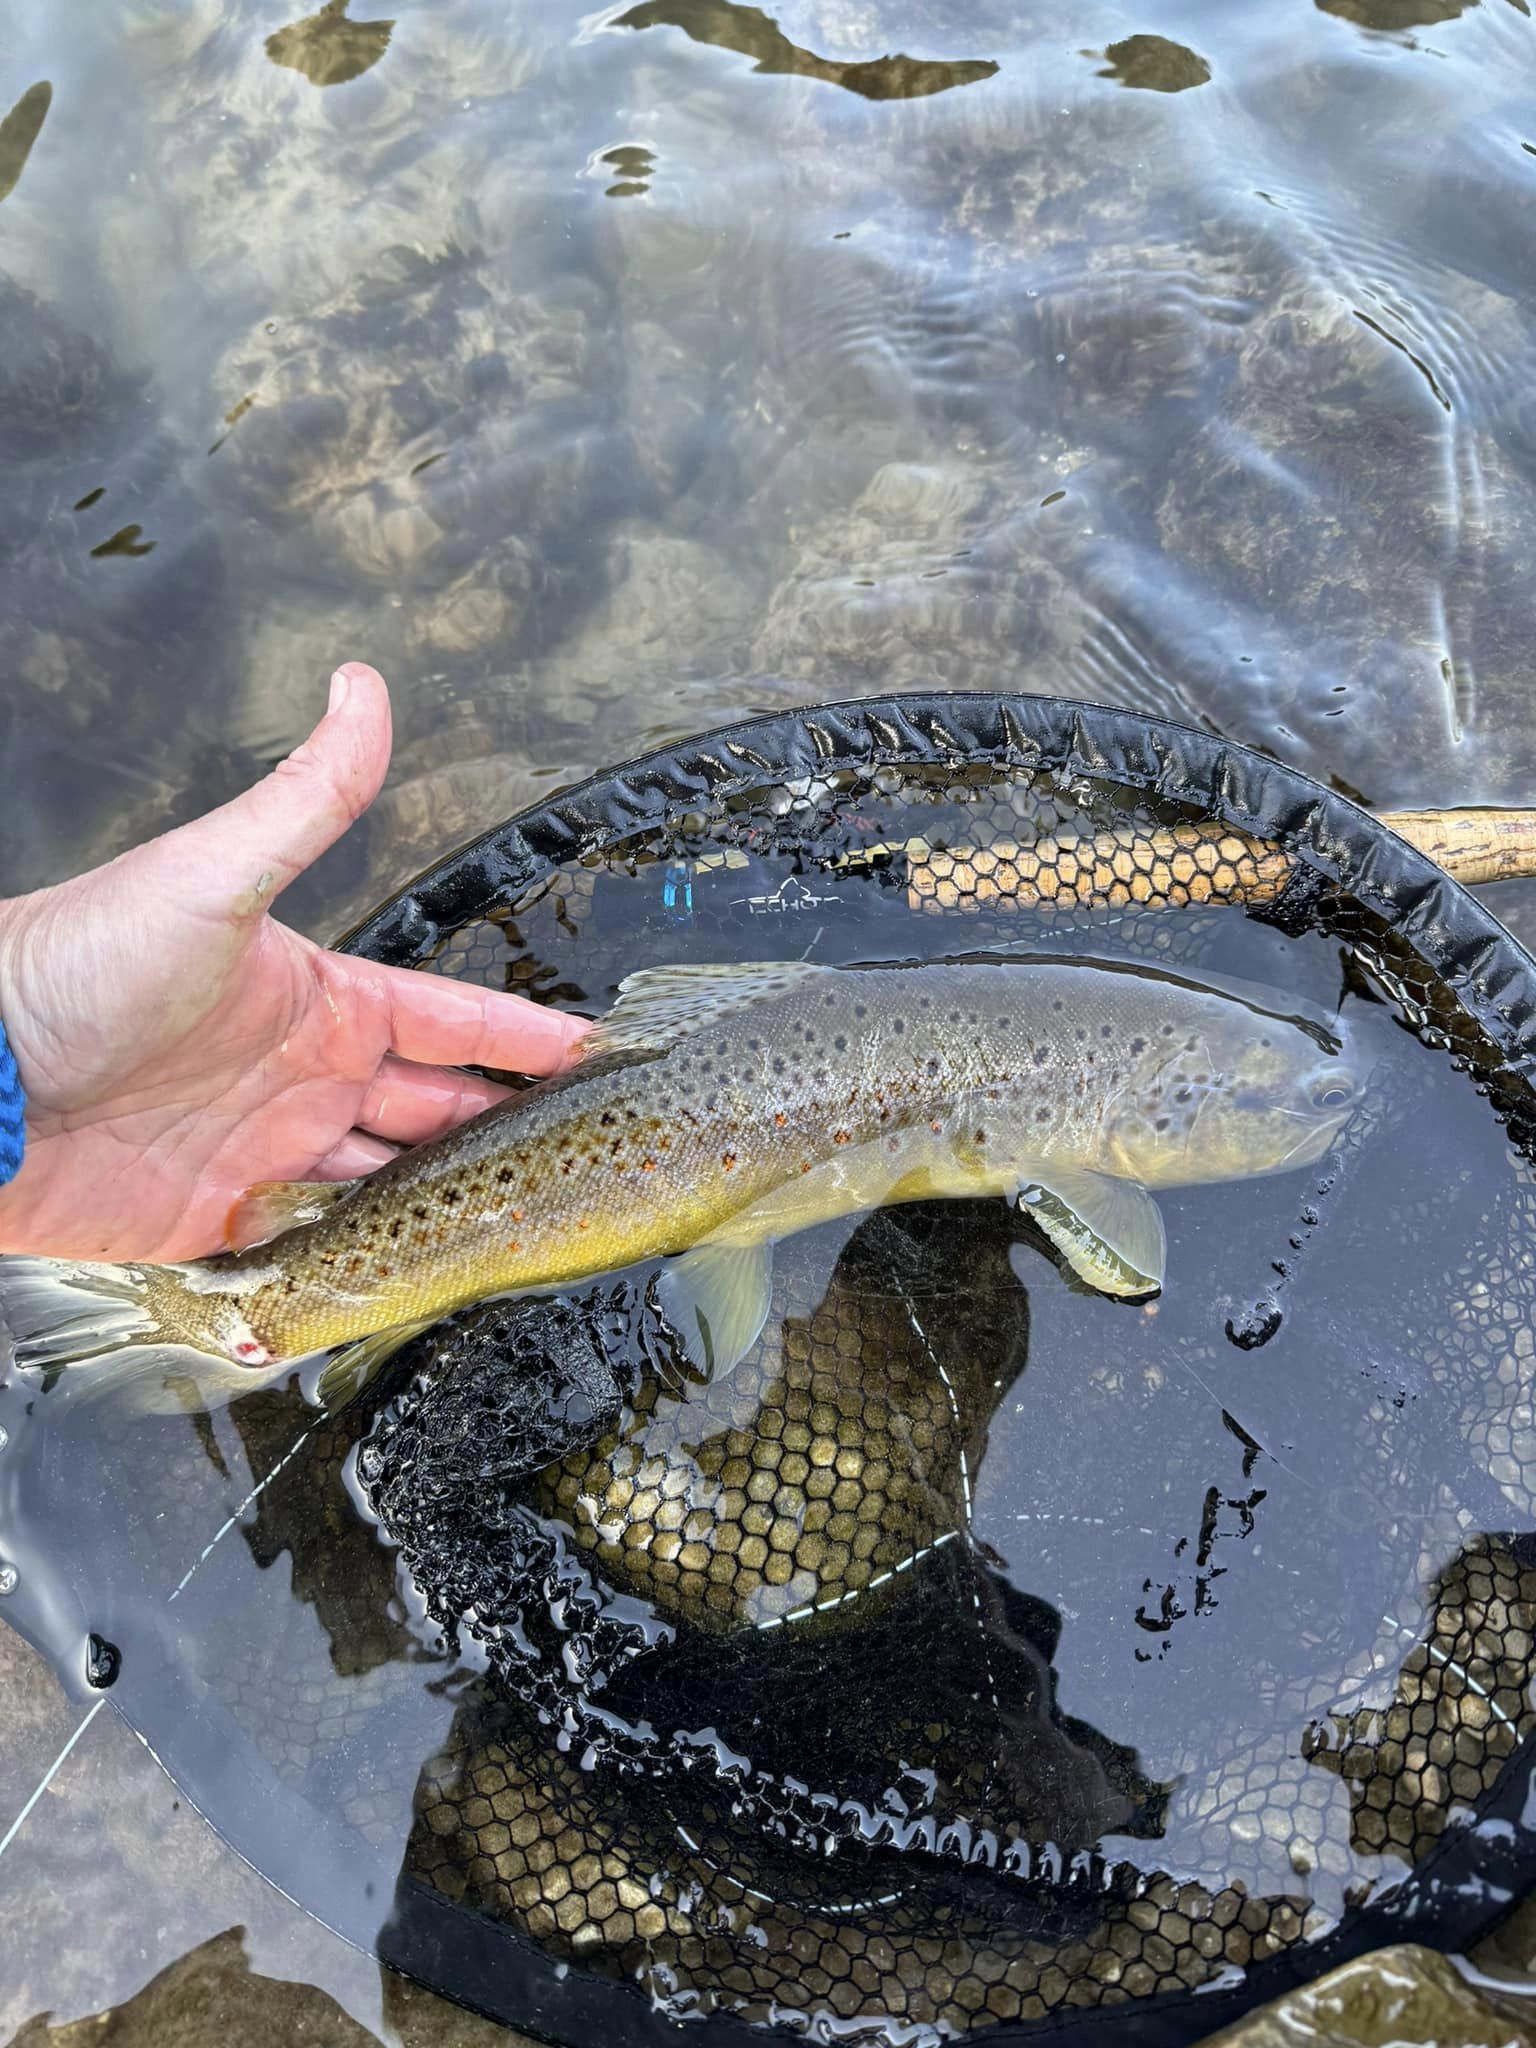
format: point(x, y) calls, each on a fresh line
point(1245, 1095)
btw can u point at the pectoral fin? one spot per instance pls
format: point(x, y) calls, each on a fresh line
point(270, 1207)
point(1110, 1232)
point(716, 1298)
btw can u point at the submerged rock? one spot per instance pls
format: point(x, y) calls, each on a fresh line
point(1155, 64)
point(329, 49)
point(212, 1990)
point(19, 132)
point(1402, 1997)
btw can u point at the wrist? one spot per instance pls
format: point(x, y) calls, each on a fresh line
point(13, 1127)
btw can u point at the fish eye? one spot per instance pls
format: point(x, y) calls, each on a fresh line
point(1332, 1091)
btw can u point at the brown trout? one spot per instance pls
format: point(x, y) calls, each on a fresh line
point(718, 1109)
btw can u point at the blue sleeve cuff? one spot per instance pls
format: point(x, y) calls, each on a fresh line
point(13, 1114)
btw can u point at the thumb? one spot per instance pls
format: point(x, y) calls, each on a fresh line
point(239, 857)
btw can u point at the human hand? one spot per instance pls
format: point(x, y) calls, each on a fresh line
point(177, 1044)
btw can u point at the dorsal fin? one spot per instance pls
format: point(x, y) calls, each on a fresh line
point(659, 1005)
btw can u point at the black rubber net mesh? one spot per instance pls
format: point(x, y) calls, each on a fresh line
point(978, 1657)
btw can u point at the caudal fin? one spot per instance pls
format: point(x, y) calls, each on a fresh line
point(59, 1312)
point(96, 1329)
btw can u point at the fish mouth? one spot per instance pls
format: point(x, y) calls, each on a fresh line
point(1315, 1136)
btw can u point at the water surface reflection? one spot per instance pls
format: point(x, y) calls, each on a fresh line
point(1206, 401)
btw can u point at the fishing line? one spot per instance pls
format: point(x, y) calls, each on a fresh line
point(255, 1493)
point(47, 1779)
point(967, 1499)
point(207, 1551)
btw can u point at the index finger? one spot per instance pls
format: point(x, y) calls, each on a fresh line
point(457, 1023)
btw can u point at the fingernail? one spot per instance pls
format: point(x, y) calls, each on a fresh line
point(341, 683)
